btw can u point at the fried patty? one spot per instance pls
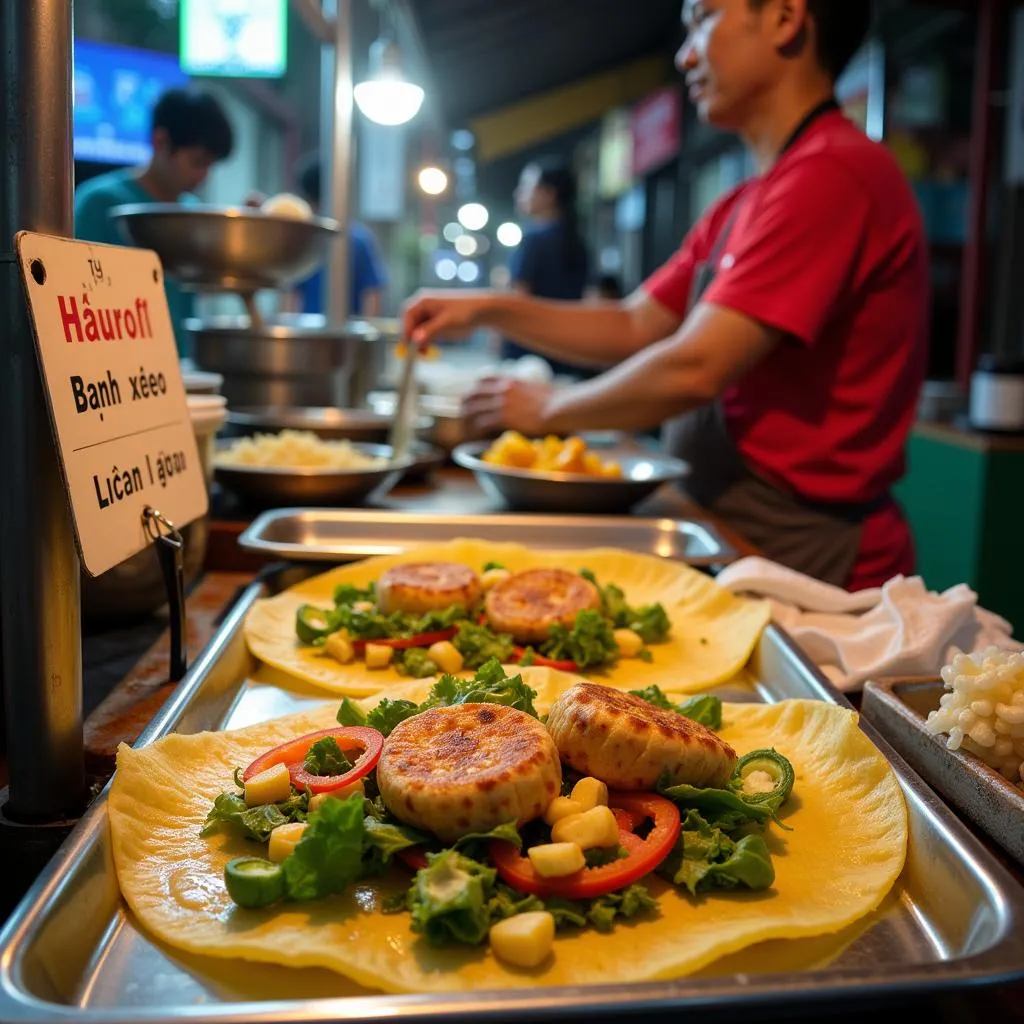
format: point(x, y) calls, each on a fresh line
point(468, 768)
point(419, 587)
point(529, 603)
point(630, 744)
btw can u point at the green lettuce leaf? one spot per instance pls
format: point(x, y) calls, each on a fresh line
point(329, 856)
point(602, 912)
point(507, 902)
point(450, 899)
point(325, 757)
point(706, 858)
point(388, 837)
point(230, 811)
point(415, 663)
point(590, 641)
point(650, 621)
point(351, 714)
point(479, 645)
point(389, 714)
point(348, 594)
point(721, 807)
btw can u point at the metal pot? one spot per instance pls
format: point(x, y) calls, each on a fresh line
point(300, 363)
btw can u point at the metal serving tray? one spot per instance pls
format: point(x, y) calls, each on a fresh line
point(337, 535)
point(72, 952)
point(898, 709)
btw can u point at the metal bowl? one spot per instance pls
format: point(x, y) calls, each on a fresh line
point(642, 475)
point(273, 487)
point(332, 424)
point(227, 248)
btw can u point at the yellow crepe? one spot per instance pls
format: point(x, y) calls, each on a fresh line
point(713, 632)
point(846, 850)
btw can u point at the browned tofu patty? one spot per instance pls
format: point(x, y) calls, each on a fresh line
point(468, 768)
point(419, 587)
point(630, 744)
point(529, 603)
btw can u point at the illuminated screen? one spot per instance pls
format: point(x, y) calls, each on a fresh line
point(116, 89)
point(234, 38)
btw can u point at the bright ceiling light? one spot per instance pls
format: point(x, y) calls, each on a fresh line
point(386, 97)
point(473, 216)
point(510, 234)
point(433, 180)
point(452, 231)
point(465, 245)
point(446, 269)
point(468, 272)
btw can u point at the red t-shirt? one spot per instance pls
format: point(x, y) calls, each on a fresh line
point(829, 248)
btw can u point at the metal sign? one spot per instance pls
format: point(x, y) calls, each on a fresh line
point(114, 390)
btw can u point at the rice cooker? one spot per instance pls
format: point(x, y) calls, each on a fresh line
point(997, 394)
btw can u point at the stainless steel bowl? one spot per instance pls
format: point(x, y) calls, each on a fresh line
point(227, 248)
point(642, 475)
point(271, 487)
point(335, 425)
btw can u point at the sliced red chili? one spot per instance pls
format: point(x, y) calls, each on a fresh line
point(643, 855)
point(358, 741)
point(539, 661)
point(403, 642)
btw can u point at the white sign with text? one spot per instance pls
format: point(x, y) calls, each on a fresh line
point(113, 383)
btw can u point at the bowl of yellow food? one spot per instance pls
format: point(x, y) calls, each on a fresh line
point(295, 467)
point(554, 474)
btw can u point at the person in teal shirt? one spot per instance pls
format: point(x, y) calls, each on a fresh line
point(191, 133)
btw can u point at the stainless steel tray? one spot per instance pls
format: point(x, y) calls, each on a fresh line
point(72, 952)
point(898, 709)
point(337, 535)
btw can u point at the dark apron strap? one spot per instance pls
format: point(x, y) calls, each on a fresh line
point(819, 540)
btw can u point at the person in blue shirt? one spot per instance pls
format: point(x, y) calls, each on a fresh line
point(190, 133)
point(551, 261)
point(366, 268)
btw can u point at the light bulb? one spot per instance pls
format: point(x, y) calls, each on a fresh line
point(433, 180)
point(509, 234)
point(388, 102)
point(473, 216)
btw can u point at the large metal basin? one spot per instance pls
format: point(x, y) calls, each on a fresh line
point(227, 248)
point(296, 365)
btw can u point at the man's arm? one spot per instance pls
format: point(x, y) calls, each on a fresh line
point(714, 348)
point(590, 334)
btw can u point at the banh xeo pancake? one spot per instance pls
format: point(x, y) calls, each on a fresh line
point(711, 633)
point(844, 850)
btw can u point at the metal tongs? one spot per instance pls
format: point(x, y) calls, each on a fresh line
point(403, 428)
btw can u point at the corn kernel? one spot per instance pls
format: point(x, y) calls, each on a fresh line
point(284, 839)
point(590, 793)
point(556, 860)
point(378, 655)
point(492, 577)
point(561, 807)
point(525, 940)
point(269, 787)
point(445, 656)
point(630, 645)
point(319, 799)
point(594, 828)
point(339, 647)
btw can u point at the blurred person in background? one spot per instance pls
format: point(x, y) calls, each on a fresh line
point(551, 261)
point(190, 133)
point(366, 268)
point(785, 344)
point(607, 288)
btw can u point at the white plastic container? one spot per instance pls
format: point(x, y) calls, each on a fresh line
point(208, 413)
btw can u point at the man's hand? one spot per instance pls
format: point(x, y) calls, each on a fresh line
point(504, 403)
point(430, 315)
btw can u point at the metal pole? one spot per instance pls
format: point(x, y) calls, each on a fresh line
point(336, 154)
point(39, 572)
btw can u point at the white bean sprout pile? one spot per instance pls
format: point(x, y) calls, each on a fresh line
point(983, 709)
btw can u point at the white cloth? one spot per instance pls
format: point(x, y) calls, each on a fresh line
point(900, 629)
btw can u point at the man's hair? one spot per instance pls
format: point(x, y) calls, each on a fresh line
point(308, 174)
point(193, 118)
point(842, 27)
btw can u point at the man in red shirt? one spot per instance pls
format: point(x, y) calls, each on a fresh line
point(785, 343)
